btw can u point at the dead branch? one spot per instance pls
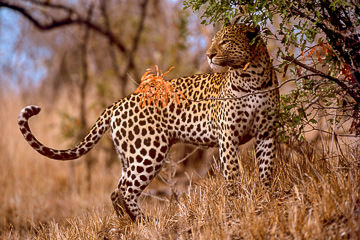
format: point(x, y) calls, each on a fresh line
point(129, 65)
point(72, 18)
point(103, 8)
point(130, 56)
point(346, 88)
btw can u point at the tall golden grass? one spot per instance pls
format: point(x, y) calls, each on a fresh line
point(316, 195)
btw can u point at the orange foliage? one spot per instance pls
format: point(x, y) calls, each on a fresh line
point(318, 54)
point(153, 88)
point(303, 55)
point(312, 51)
point(326, 48)
point(346, 72)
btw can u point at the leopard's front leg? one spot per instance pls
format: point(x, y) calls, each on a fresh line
point(265, 149)
point(229, 162)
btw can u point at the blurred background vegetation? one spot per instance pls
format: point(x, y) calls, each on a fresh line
point(74, 58)
point(84, 55)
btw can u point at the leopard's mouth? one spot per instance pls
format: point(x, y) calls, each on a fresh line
point(219, 62)
point(216, 66)
point(226, 62)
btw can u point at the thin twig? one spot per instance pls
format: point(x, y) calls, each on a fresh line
point(324, 131)
point(85, 75)
point(188, 155)
point(51, 5)
point(155, 197)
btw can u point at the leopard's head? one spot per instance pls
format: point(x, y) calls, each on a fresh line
point(231, 46)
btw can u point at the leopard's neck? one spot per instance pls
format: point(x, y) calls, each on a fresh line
point(255, 76)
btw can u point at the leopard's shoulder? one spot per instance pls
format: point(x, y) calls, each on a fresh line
point(200, 85)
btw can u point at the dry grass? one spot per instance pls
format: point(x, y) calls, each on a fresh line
point(315, 196)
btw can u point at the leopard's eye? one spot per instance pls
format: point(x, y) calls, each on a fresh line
point(224, 42)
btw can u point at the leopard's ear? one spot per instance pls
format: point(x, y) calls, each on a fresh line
point(227, 23)
point(237, 20)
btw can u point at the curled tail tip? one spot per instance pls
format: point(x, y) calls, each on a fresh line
point(27, 112)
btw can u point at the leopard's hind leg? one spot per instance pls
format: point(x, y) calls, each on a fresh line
point(140, 172)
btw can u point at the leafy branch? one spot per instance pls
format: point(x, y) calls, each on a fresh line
point(350, 91)
point(328, 28)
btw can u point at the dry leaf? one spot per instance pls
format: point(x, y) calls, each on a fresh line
point(153, 88)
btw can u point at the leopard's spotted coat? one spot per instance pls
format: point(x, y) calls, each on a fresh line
point(144, 135)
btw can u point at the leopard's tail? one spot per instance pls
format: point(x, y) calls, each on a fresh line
point(95, 134)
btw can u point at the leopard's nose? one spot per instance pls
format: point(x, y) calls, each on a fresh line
point(210, 55)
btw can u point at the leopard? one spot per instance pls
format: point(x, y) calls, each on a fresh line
point(221, 109)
